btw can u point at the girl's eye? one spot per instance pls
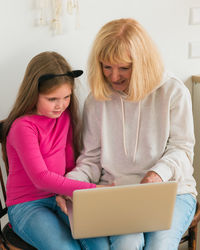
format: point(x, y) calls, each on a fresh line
point(66, 97)
point(52, 99)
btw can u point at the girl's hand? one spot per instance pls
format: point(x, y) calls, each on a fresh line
point(100, 186)
point(61, 202)
point(151, 176)
point(111, 185)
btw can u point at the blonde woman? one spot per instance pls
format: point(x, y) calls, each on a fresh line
point(41, 140)
point(138, 127)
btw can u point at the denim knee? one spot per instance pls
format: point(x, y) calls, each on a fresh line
point(169, 239)
point(127, 242)
point(37, 223)
point(100, 243)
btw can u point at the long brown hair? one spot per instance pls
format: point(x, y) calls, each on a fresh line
point(42, 64)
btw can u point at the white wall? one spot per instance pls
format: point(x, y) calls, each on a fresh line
point(20, 39)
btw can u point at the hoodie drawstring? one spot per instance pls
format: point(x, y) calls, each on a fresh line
point(137, 133)
point(124, 127)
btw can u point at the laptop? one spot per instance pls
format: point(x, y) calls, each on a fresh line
point(120, 210)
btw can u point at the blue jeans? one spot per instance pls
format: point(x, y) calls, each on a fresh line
point(43, 225)
point(184, 211)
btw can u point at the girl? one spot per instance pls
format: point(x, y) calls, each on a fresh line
point(40, 140)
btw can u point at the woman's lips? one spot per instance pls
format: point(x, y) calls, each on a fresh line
point(118, 83)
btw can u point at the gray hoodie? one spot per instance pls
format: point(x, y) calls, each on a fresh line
point(123, 140)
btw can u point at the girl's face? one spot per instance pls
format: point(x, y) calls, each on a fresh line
point(54, 103)
point(118, 75)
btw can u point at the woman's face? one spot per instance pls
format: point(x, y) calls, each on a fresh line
point(54, 103)
point(118, 75)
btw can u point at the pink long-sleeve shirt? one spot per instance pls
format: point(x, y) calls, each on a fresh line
point(40, 152)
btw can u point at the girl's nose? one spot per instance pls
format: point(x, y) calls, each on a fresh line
point(58, 104)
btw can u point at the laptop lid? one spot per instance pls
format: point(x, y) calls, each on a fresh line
point(122, 209)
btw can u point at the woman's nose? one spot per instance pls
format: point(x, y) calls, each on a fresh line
point(115, 75)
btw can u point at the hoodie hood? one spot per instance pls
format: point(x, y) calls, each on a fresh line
point(165, 78)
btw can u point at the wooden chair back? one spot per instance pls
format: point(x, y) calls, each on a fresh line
point(191, 234)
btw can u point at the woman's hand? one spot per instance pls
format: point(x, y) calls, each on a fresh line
point(61, 202)
point(151, 176)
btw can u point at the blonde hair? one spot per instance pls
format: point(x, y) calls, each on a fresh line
point(42, 64)
point(125, 41)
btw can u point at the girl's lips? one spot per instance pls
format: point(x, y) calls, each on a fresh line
point(57, 112)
